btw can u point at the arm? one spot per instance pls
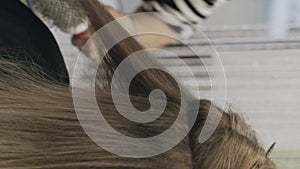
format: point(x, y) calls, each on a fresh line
point(189, 11)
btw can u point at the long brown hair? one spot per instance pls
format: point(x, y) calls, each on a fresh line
point(39, 127)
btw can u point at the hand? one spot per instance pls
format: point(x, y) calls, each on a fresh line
point(80, 40)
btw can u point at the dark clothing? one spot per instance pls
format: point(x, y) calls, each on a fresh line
point(24, 38)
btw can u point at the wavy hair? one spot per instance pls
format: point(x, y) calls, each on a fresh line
point(39, 127)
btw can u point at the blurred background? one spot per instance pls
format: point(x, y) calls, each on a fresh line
point(258, 42)
point(237, 12)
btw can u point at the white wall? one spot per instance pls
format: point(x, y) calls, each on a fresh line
point(123, 5)
point(238, 12)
